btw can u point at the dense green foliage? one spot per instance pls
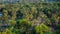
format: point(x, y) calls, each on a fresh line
point(32, 18)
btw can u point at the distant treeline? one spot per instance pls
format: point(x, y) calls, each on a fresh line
point(27, 1)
